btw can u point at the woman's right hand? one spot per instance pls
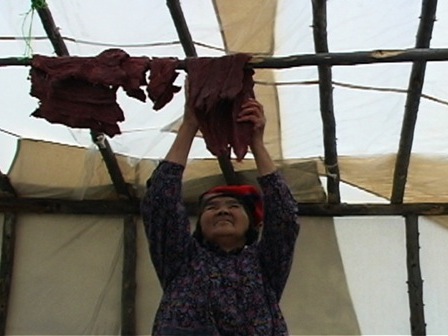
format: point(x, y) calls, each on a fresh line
point(190, 118)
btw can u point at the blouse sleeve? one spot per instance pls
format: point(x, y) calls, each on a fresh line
point(280, 230)
point(166, 220)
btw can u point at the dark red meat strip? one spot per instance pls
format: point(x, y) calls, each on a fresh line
point(217, 89)
point(162, 76)
point(80, 92)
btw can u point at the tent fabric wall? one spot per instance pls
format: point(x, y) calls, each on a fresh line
point(67, 276)
point(85, 175)
point(79, 173)
point(317, 299)
point(67, 279)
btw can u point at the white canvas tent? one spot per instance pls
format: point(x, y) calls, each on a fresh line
point(69, 210)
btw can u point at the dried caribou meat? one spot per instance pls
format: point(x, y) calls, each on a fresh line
point(217, 89)
point(161, 78)
point(80, 92)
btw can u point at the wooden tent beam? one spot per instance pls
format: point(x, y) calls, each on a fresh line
point(326, 102)
point(111, 163)
point(52, 30)
point(128, 326)
point(98, 138)
point(132, 207)
point(7, 250)
point(415, 87)
point(333, 59)
point(186, 41)
point(182, 28)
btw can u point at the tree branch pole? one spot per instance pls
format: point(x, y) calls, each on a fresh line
point(415, 282)
point(415, 87)
point(132, 207)
point(186, 40)
point(334, 59)
point(7, 250)
point(128, 324)
point(326, 103)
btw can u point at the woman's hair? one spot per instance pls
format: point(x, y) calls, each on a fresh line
point(248, 197)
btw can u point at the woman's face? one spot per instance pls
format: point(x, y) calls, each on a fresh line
point(224, 221)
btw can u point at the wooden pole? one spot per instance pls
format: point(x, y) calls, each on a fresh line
point(128, 292)
point(326, 102)
point(415, 282)
point(186, 41)
point(129, 283)
point(415, 88)
point(333, 59)
point(132, 207)
point(7, 258)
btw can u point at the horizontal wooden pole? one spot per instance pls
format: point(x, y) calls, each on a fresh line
point(342, 58)
point(126, 207)
point(61, 206)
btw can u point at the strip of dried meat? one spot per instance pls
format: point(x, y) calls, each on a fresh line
point(217, 89)
point(80, 92)
point(161, 78)
point(76, 104)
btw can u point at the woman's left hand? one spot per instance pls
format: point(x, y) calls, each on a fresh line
point(252, 111)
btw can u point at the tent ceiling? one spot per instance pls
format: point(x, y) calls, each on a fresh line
point(356, 111)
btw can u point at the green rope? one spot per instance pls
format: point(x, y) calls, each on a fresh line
point(28, 27)
point(27, 32)
point(38, 4)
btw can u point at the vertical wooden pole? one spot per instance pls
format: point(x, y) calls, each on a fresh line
point(129, 283)
point(6, 267)
point(415, 282)
point(7, 258)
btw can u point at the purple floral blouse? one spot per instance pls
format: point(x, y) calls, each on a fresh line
point(207, 291)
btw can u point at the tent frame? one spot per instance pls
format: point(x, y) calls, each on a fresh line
point(12, 204)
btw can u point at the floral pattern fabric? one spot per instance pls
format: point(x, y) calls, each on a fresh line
point(207, 291)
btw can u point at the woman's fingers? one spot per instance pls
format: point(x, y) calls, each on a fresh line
point(251, 107)
point(252, 112)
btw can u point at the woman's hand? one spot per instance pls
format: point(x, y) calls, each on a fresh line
point(252, 111)
point(181, 146)
point(190, 120)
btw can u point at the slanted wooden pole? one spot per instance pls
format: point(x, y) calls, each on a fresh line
point(415, 282)
point(129, 262)
point(183, 32)
point(415, 87)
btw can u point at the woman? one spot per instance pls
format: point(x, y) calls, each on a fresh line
point(223, 279)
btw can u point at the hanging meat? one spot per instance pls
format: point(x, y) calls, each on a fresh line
point(80, 92)
point(217, 89)
point(161, 78)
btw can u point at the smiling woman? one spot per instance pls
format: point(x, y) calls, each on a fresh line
point(225, 278)
point(224, 222)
